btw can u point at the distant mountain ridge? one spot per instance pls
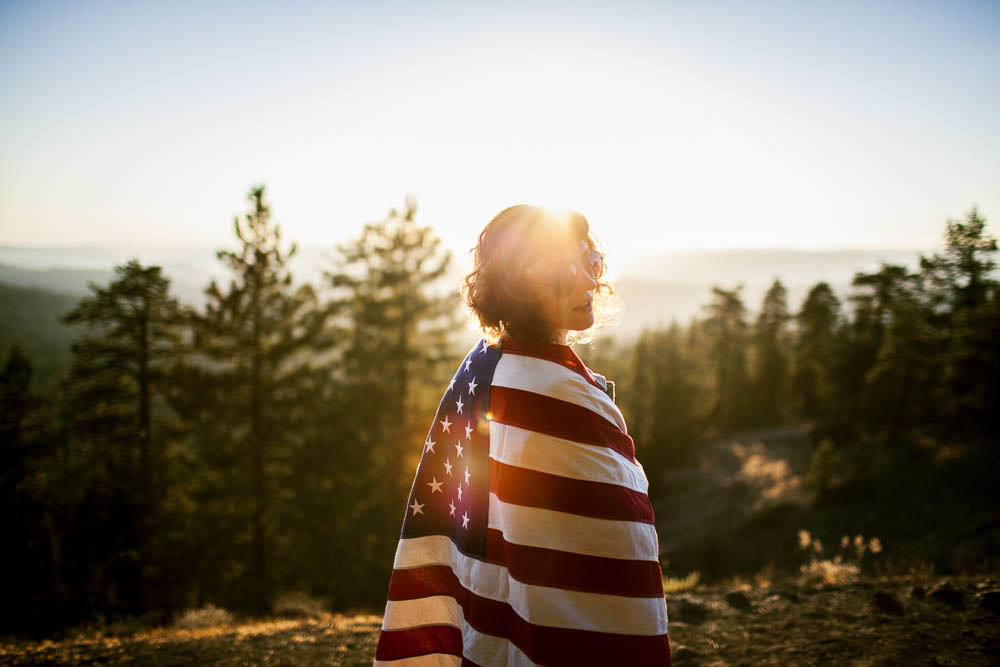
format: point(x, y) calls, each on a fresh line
point(654, 291)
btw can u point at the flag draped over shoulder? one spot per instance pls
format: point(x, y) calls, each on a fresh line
point(528, 536)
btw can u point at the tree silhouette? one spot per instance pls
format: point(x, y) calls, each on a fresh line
point(727, 329)
point(117, 375)
point(770, 345)
point(261, 343)
point(815, 351)
point(399, 323)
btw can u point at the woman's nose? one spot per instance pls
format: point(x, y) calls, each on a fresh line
point(589, 280)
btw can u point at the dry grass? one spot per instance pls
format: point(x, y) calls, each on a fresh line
point(205, 617)
point(296, 604)
point(685, 583)
point(821, 572)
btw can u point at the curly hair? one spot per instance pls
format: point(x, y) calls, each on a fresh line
point(495, 290)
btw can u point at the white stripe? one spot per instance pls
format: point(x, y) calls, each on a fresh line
point(539, 605)
point(480, 648)
point(484, 649)
point(434, 610)
point(545, 453)
point(555, 380)
point(432, 660)
point(549, 529)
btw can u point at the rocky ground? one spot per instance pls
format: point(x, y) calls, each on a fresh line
point(902, 621)
point(905, 620)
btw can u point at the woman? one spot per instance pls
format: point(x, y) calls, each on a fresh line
point(528, 537)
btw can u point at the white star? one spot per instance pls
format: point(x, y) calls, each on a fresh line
point(468, 362)
point(472, 387)
point(453, 508)
point(466, 474)
point(417, 507)
point(459, 404)
point(483, 348)
point(445, 425)
point(429, 445)
point(436, 485)
point(459, 448)
point(460, 493)
point(451, 384)
point(468, 430)
point(465, 520)
point(447, 466)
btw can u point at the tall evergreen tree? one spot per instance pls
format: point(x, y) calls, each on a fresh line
point(727, 327)
point(135, 329)
point(114, 394)
point(19, 518)
point(261, 344)
point(815, 351)
point(965, 267)
point(665, 399)
point(399, 353)
point(962, 294)
point(770, 344)
point(892, 352)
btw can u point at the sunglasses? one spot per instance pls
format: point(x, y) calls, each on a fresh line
point(561, 276)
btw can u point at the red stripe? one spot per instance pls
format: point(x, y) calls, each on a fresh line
point(559, 354)
point(531, 488)
point(558, 418)
point(542, 644)
point(396, 644)
point(572, 571)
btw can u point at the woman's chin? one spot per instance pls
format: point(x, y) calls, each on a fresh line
point(582, 321)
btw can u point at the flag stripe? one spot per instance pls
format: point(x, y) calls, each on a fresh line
point(564, 569)
point(530, 488)
point(560, 354)
point(535, 527)
point(538, 605)
point(396, 644)
point(430, 660)
point(548, 645)
point(555, 417)
point(492, 650)
point(542, 567)
point(556, 381)
point(536, 451)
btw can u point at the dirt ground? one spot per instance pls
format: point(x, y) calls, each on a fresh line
point(944, 621)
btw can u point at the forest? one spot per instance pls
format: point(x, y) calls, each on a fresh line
point(264, 444)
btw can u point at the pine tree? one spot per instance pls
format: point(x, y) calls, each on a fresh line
point(399, 354)
point(961, 295)
point(771, 357)
point(893, 351)
point(665, 400)
point(727, 329)
point(263, 363)
point(815, 351)
point(964, 270)
point(114, 395)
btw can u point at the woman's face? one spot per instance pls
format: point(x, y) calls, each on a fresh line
point(573, 312)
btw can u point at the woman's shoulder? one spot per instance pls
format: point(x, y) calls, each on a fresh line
point(607, 385)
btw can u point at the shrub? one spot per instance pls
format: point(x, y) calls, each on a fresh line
point(843, 568)
point(205, 617)
point(297, 604)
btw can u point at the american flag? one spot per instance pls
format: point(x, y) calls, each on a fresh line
point(528, 536)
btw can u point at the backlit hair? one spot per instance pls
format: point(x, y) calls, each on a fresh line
point(495, 290)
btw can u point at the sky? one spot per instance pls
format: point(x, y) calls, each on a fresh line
point(669, 125)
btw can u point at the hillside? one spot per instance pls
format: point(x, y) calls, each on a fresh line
point(751, 489)
point(30, 315)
